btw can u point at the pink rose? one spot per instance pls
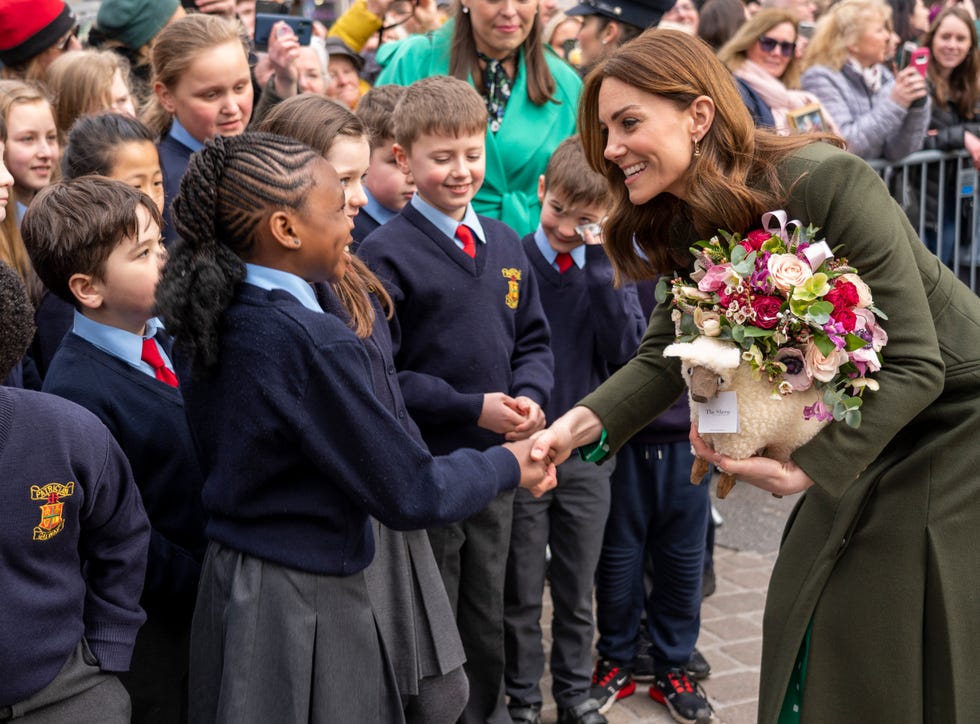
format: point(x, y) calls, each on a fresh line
point(766, 311)
point(820, 367)
point(788, 271)
point(715, 278)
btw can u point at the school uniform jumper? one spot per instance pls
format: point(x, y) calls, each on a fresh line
point(594, 327)
point(297, 452)
point(175, 148)
point(146, 416)
point(464, 327)
point(517, 153)
point(69, 505)
point(403, 581)
point(879, 557)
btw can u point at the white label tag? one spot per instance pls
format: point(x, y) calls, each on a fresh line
point(719, 414)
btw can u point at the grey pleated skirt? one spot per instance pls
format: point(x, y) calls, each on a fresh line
point(273, 644)
point(412, 607)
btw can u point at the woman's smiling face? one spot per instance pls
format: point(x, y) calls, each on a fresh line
point(649, 138)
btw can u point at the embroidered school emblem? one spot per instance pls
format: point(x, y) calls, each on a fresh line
point(513, 276)
point(51, 520)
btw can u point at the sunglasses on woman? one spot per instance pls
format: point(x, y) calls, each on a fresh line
point(67, 38)
point(786, 48)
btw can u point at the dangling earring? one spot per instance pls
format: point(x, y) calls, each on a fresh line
point(697, 147)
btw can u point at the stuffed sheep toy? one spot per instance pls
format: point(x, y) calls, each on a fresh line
point(768, 425)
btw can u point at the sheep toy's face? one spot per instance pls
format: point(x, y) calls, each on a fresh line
point(704, 383)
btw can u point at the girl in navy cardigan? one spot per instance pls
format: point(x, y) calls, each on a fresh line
point(296, 448)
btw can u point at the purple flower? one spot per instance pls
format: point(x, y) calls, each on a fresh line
point(817, 410)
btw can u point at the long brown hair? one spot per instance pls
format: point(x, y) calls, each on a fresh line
point(732, 182)
point(464, 63)
point(318, 122)
point(962, 88)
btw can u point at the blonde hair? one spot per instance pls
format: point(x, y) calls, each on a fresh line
point(841, 27)
point(80, 82)
point(12, 249)
point(733, 53)
point(176, 47)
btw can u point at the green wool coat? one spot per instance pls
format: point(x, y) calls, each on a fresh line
point(518, 153)
point(881, 554)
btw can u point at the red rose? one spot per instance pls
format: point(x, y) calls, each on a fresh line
point(756, 239)
point(846, 318)
point(844, 295)
point(766, 309)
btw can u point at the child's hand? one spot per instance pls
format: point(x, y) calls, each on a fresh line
point(534, 418)
point(500, 413)
point(537, 476)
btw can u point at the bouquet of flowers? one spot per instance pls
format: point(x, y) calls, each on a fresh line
point(802, 317)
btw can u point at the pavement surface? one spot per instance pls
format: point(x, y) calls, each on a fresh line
point(731, 619)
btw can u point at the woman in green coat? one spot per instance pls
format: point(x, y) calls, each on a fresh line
point(878, 567)
point(531, 95)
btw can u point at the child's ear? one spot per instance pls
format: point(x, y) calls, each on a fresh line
point(282, 230)
point(541, 189)
point(87, 290)
point(401, 158)
point(165, 97)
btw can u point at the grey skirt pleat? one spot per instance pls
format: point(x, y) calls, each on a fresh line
point(412, 608)
point(273, 644)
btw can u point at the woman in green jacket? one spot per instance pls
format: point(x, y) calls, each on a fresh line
point(531, 95)
point(877, 571)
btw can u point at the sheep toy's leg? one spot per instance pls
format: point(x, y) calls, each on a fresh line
point(698, 470)
point(726, 481)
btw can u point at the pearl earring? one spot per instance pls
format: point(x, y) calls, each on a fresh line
point(466, 10)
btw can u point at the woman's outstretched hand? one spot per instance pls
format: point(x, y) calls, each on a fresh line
point(576, 427)
point(771, 475)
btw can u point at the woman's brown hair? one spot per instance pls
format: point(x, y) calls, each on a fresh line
point(318, 122)
point(732, 182)
point(962, 89)
point(464, 63)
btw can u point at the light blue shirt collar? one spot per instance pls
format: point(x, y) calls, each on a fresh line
point(119, 343)
point(267, 278)
point(446, 224)
point(381, 214)
point(182, 135)
point(549, 254)
point(21, 209)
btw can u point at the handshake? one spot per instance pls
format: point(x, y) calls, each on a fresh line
point(545, 449)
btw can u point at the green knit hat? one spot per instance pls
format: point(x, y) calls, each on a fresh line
point(134, 23)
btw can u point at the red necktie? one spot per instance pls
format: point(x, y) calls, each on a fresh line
point(564, 261)
point(151, 355)
point(464, 234)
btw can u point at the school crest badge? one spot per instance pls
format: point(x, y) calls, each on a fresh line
point(513, 277)
point(52, 521)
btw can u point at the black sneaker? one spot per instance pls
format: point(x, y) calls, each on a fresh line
point(685, 699)
point(610, 682)
point(697, 666)
point(524, 713)
point(585, 713)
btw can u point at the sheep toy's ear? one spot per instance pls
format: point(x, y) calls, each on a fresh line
point(678, 349)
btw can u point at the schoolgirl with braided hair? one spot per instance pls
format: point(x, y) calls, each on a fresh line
point(404, 584)
point(296, 448)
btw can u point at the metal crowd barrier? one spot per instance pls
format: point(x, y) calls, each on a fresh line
point(907, 181)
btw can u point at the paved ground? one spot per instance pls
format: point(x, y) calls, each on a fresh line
point(731, 619)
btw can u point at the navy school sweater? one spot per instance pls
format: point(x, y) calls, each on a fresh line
point(594, 326)
point(462, 327)
point(174, 157)
point(364, 224)
point(297, 450)
point(147, 418)
point(69, 505)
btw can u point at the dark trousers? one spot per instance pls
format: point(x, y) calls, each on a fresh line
point(81, 693)
point(472, 558)
point(571, 518)
point(654, 508)
point(157, 677)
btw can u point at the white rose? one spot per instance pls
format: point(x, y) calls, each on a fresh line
point(788, 271)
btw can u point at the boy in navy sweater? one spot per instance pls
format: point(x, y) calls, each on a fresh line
point(594, 327)
point(471, 346)
point(387, 187)
point(73, 545)
point(96, 243)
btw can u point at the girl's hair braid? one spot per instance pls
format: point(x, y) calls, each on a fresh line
point(229, 189)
